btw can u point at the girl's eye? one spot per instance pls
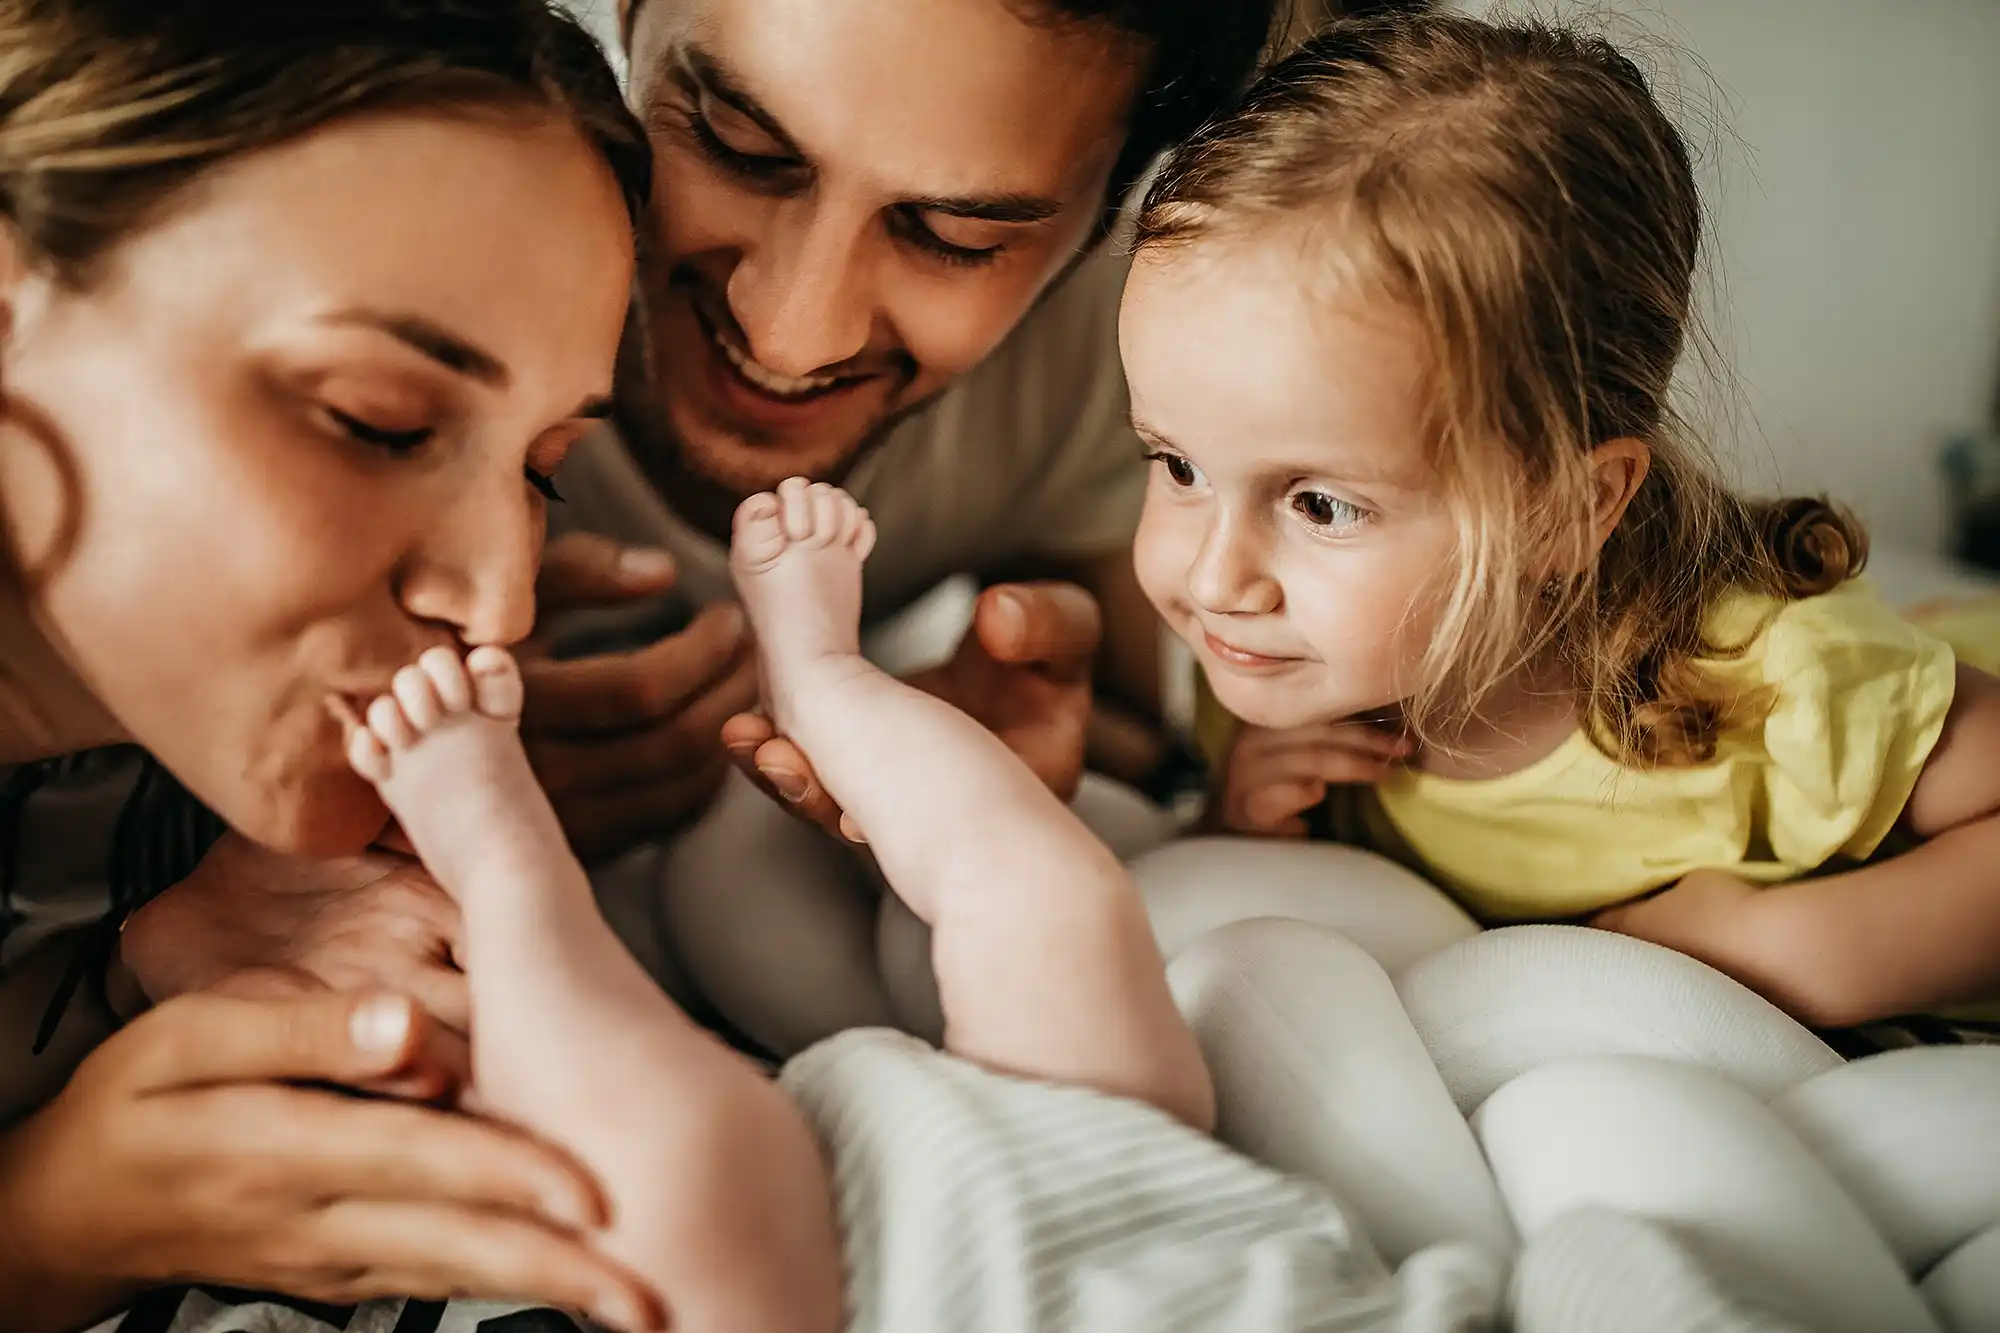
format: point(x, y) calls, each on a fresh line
point(1326, 511)
point(381, 437)
point(1179, 470)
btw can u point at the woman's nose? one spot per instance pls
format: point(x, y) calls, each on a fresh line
point(800, 293)
point(474, 568)
point(1229, 576)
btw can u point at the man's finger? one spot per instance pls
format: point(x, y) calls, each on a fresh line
point(666, 750)
point(784, 772)
point(619, 691)
point(743, 733)
point(581, 569)
point(604, 824)
point(1053, 627)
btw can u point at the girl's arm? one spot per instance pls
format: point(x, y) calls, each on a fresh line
point(1905, 935)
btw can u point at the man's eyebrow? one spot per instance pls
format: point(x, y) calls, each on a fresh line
point(708, 72)
point(435, 341)
point(712, 76)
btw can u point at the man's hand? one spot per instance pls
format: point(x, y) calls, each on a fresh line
point(628, 744)
point(256, 924)
point(1023, 672)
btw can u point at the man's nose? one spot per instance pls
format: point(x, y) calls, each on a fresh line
point(802, 294)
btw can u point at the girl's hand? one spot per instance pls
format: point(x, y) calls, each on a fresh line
point(186, 1148)
point(1272, 778)
point(1691, 917)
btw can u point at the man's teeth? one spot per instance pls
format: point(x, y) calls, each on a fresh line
point(770, 381)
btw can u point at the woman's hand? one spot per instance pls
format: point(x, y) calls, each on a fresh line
point(185, 1149)
point(1272, 778)
point(258, 924)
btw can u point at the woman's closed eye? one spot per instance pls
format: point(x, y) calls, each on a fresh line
point(402, 443)
point(382, 437)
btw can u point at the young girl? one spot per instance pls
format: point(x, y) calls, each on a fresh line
point(1401, 334)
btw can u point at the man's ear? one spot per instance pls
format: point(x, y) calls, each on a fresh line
point(1616, 469)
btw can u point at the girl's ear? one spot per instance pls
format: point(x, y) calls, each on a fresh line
point(1616, 469)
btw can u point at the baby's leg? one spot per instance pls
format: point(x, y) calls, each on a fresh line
point(719, 1197)
point(1045, 961)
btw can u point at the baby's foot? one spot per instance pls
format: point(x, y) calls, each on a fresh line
point(444, 750)
point(797, 559)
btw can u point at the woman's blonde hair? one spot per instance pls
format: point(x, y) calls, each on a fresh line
point(1518, 191)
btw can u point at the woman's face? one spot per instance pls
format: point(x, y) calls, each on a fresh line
point(293, 437)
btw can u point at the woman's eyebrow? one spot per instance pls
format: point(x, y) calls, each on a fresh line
point(448, 349)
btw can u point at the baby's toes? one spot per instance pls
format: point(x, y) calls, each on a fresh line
point(496, 683)
point(418, 698)
point(386, 720)
point(367, 755)
point(759, 529)
point(830, 507)
point(863, 540)
point(445, 670)
point(796, 508)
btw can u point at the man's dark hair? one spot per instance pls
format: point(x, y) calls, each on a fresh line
point(1202, 56)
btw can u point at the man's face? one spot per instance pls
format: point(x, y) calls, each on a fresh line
point(854, 203)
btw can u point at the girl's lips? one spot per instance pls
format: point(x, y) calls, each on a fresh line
point(1241, 657)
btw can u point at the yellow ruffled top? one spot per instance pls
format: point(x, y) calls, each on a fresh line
point(1858, 698)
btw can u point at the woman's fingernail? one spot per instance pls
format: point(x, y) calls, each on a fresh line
point(380, 1027)
point(643, 564)
point(790, 785)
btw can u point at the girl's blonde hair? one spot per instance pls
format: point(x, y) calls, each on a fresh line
point(1520, 193)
